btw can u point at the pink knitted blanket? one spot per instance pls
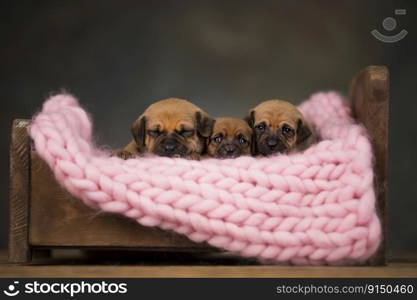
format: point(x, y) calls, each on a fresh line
point(316, 207)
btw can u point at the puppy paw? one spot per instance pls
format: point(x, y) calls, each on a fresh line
point(123, 154)
point(193, 156)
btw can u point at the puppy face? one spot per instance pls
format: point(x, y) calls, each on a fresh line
point(278, 127)
point(173, 128)
point(230, 138)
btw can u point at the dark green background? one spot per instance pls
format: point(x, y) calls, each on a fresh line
point(225, 56)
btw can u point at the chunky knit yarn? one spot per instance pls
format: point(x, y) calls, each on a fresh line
point(315, 207)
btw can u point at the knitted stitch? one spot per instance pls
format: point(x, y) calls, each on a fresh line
point(315, 207)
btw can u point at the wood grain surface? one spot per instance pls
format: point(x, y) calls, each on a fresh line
point(391, 270)
point(19, 250)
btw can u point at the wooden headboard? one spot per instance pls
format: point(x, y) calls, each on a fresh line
point(369, 95)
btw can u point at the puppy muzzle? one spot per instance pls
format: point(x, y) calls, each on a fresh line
point(171, 147)
point(271, 144)
point(228, 150)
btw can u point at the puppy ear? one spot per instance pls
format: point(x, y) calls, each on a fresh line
point(303, 131)
point(250, 118)
point(208, 139)
point(253, 148)
point(139, 131)
point(204, 124)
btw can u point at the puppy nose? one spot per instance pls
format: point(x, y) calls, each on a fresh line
point(169, 147)
point(230, 149)
point(272, 142)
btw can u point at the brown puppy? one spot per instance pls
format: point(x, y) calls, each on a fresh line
point(279, 126)
point(231, 138)
point(171, 127)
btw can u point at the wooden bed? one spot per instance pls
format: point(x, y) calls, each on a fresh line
point(44, 216)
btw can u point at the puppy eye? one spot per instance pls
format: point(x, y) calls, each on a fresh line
point(287, 130)
point(260, 127)
point(154, 133)
point(242, 140)
point(187, 132)
point(218, 139)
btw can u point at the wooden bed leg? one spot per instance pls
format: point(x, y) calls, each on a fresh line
point(19, 249)
point(369, 94)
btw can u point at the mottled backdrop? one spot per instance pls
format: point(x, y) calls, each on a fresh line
point(226, 56)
